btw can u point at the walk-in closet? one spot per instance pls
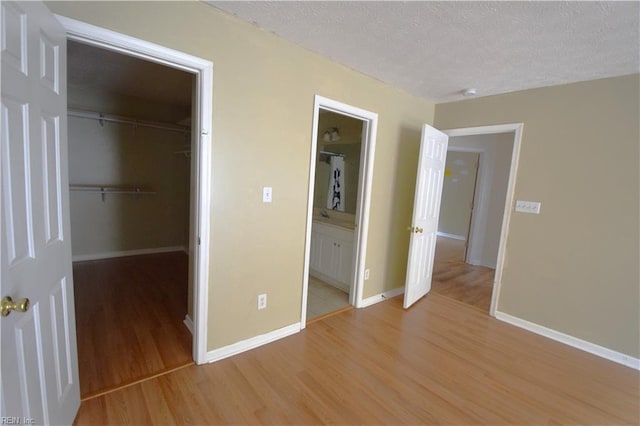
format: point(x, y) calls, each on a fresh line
point(129, 133)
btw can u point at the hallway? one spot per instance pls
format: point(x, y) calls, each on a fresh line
point(454, 278)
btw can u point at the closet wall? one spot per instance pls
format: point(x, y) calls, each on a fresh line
point(119, 154)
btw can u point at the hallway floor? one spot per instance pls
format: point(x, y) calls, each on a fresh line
point(454, 278)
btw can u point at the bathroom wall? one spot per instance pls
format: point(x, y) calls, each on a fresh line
point(124, 155)
point(350, 145)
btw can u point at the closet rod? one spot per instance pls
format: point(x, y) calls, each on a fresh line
point(111, 189)
point(333, 154)
point(126, 120)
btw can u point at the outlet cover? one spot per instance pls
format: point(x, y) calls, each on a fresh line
point(532, 207)
point(366, 274)
point(262, 301)
point(267, 194)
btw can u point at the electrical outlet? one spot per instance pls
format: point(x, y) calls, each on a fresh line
point(262, 301)
point(366, 274)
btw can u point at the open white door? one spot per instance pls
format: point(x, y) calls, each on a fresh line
point(426, 208)
point(39, 355)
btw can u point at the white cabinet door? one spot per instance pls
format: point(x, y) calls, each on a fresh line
point(331, 257)
point(38, 350)
point(327, 255)
point(343, 261)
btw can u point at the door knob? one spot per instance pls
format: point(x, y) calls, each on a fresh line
point(419, 230)
point(7, 305)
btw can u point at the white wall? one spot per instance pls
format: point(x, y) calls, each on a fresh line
point(119, 154)
point(493, 177)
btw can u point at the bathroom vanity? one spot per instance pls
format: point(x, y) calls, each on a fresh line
point(331, 257)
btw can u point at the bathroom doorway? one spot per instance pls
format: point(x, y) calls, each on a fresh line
point(337, 219)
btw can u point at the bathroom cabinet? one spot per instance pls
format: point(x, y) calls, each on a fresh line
point(331, 258)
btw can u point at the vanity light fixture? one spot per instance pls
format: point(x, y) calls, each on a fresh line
point(331, 135)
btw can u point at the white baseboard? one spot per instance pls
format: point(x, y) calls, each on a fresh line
point(592, 348)
point(453, 236)
point(138, 252)
point(380, 297)
point(254, 342)
point(189, 323)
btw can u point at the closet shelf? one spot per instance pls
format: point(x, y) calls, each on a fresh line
point(103, 190)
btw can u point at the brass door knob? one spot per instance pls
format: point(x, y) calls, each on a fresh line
point(7, 305)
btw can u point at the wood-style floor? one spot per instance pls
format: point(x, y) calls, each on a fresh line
point(129, 319)
point(453, 278)
point(440, 362)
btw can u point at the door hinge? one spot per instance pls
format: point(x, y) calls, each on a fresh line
point(198, 240)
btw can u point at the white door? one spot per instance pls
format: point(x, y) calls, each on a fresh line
point(39, 355)
point(426, 208)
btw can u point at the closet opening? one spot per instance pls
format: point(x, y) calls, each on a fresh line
point(132, 200)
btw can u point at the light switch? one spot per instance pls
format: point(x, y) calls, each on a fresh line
point(532, 207)
point(267, 194)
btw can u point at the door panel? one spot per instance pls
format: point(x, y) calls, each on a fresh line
point(426, 208)
point(39, 355)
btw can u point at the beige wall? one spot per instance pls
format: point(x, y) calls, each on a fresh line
point(574, 267)
point(457, 193)
point(117, 154)
point(263, 95)
point(493, 179)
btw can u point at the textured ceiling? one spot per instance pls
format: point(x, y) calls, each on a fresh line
point(435, 50)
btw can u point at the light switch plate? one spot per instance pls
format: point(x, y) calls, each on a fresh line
point(532, 207)
point(267, 194)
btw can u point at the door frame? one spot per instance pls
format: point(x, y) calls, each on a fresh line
point(516, 128)
point(203, 71)
point(370, 129)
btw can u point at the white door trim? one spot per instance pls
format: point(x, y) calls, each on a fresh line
point(203, 70)
point(516, 128)
point(364, 200)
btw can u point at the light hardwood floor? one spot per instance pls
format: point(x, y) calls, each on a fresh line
point(440, 362)
point(129, 314)
point(453, 278)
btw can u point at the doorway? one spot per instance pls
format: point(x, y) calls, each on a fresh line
point(342, 150)
point(471, 270)
point(200, 158)
point(335, 198)
point(129, 145)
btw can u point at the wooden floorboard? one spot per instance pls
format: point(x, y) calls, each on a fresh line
point(454, 278)
point(129, 319)
point(440, 362)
